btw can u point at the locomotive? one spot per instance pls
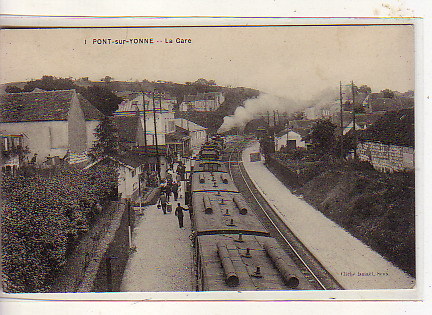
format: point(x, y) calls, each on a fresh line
point(233, 249)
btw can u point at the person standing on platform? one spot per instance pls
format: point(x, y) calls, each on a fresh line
point(168, 190)
point(163, 202)
point(181, 171)
point(179, 213)
point(174, 189)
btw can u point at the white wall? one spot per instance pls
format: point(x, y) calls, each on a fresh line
point(46, 138)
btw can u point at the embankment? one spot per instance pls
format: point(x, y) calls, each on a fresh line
point(375, 207)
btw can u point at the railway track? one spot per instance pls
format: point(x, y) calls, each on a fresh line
point(306, 262)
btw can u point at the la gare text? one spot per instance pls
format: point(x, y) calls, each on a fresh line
point(136, 41)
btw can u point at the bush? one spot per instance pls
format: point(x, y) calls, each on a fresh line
point(42, 216)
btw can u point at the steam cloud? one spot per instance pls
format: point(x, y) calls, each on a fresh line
point(267, 102)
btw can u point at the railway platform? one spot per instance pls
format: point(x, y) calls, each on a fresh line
point(353, 264)
point(163, 260)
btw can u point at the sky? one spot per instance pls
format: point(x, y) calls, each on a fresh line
point(296, 62)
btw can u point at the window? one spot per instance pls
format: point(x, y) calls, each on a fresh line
point(133, 173)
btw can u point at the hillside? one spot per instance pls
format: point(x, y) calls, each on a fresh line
point(234, 97)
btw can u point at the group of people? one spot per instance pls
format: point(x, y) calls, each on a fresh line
point(172, 185)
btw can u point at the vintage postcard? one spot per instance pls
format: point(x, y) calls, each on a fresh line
point(274, 161)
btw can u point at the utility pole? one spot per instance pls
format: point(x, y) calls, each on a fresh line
point(128, 208)
point(354, 120)
point(341, 120)
point(268, 118)
point(145, 124)
point(155, 137)
point(274, 118)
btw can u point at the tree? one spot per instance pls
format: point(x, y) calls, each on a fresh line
point(50, 83)
point(388, 93)
point(365, 89)
point(322, 136)
point(103, 99)
point(13, 89)
point(107, 140)
point(107, 79)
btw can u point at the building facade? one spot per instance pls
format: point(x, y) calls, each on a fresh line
point(289, 139)
point(202, 102)
point(52, 123)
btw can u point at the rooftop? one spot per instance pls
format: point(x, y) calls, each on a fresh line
point(43, 106)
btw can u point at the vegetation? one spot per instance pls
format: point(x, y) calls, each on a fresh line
point(378, 208)
point(322, 136)
point(375, 207)
point(107, 140)
point(42, 219)
point(395, 127)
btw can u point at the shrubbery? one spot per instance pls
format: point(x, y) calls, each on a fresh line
point(42, 217)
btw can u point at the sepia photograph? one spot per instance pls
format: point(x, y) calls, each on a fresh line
point(276, 159)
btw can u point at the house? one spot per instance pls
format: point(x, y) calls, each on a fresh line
point(131, 140)
point(376, 102)
point(130, 183)
point(363, 121)
point(53, 123)
point(156, 118)
point(178, 143)
point(302, 127)
point(133, 101)
point(197, 133)
point(129, 168)
point(202, 102)
point(289, 139)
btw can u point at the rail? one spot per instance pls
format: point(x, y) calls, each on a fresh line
point(281, 234)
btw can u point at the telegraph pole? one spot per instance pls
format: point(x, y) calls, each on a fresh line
point(155, 138)
point(145, 124)
point(354, 121)
point(341, 120)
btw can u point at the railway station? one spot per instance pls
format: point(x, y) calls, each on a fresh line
point(227, 244)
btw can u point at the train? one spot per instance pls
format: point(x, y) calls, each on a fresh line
point(233, 249)
point(212, 149)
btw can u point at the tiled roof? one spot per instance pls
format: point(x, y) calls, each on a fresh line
point(303, 132)
point(188, 125)
point(128, 159)
point(301, 123)
point(42, 106)
point(176, 136)
point(90, 112)
point(384, 104)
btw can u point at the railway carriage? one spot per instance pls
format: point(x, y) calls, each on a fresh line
point(233, 250)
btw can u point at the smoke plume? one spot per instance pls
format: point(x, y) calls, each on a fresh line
point(267, 102)
point(260, 105)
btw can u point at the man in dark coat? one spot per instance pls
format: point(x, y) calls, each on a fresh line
point(163, 202)
point(179, 213)
point(174, 190)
